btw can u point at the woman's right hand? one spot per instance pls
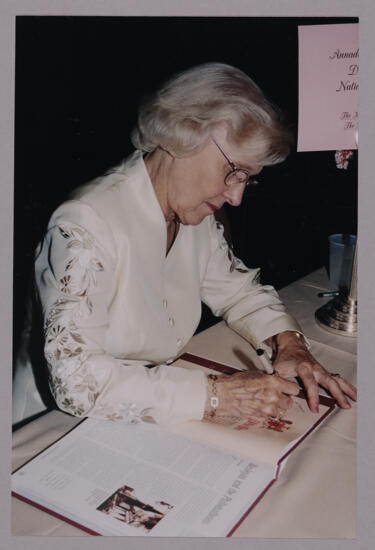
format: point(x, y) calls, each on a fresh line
point(251, 396)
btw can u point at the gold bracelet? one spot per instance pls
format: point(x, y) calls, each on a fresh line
point(299, 336)
point(275, 343)
point(214, 400)
point(296, 334)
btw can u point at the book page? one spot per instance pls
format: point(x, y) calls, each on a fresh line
point(136, 479)
point(265, 444)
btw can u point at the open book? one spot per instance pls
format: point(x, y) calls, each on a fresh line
point(190, 479)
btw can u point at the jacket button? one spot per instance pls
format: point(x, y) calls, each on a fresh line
point(171, 321)
point(165, 304)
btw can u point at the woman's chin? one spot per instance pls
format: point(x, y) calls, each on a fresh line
point(195, 219)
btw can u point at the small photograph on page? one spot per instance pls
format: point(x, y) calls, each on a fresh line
point(125, 506)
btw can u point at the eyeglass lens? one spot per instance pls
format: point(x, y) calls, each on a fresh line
point(237, 176)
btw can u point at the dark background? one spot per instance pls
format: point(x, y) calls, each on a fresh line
point(78, 83)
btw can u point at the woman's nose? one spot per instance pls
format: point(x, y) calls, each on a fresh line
point(233, 195)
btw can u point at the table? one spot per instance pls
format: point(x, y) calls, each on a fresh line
point(314, 496)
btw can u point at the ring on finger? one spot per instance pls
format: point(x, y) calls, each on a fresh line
point(336, 374)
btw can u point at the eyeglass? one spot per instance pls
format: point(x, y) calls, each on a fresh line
point(236, 175)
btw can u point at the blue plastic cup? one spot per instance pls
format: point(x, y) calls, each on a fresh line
point(341, 255)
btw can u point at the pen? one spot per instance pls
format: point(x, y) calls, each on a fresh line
point(328, 294)
point(265, 362)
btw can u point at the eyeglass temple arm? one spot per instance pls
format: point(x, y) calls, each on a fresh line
point(232, 165)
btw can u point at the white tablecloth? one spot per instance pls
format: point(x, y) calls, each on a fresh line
point(314, 496)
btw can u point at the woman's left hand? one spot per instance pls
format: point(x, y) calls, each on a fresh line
point(294, 359)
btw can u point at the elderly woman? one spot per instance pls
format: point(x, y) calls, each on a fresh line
point(127, 260)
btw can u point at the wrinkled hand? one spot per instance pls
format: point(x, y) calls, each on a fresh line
point(294, 359)
point(251, 396)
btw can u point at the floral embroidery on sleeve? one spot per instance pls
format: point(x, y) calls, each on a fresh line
point(235, 263)
point(64, 345)
point(129, 411)
point(73, 381)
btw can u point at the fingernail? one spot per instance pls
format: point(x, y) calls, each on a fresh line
point(316, 408)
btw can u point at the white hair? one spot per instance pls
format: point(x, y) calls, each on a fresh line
point(183, 113)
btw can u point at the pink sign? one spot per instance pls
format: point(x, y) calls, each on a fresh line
point(328, 87)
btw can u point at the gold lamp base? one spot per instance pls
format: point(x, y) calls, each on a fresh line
point(339, 316)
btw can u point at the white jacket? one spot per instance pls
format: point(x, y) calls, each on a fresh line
point(113, 302)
